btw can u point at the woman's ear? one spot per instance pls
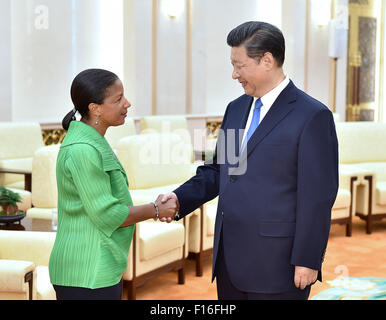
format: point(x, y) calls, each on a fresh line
point(94, 109)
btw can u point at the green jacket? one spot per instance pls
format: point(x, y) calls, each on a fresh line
point(90, 249)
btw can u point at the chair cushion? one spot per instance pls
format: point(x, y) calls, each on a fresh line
point(44, 188)
point(379, 168)
point(27, 245)
point(19, 139)
point(153, 160)
point(380, 194)
point(143, 196)
point(40, 213)
point(114, 134)
point(361, 141)
point(45, 290)
point(211, 211)
point(166, 124)
point(19, 164)
point(20, 185)
point(157, 238)
point(342, 199)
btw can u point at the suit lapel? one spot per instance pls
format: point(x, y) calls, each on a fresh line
point(278, 111)
point(240, 121)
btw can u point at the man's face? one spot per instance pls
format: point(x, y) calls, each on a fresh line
point(248, 72)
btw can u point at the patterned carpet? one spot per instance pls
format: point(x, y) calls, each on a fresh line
point(355, 288)
point(354, 268)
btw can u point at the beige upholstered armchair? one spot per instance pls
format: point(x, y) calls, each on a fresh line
point(201, 225)
point(362, 145)
point(44, 188)
point(18, 142)
point(201, 234)
point(176, 124)
point(114, 134)
point(155, 164)
point(344, 206)
point(24, 257)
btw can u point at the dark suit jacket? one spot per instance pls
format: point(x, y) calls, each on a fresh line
point(276, 215)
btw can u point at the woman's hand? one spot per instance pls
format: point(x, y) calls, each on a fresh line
point(167, 210)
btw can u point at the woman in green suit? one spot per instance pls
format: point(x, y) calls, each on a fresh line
point(96, 216)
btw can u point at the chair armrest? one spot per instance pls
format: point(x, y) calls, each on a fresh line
point(14, 274)
point(27, 176)
point(349, 171)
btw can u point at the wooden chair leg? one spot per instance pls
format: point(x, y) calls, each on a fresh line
point(349, 229)
point(181, 275)
point(368, 225)
point(199, 271)
point(29, 278)
point(128, 290)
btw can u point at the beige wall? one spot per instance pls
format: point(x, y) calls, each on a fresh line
point(44, 62)
point(5, 62)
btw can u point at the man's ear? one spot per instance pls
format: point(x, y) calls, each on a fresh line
point(268, 60)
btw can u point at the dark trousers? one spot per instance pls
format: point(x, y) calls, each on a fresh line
point(227, 291)
point(78, 293)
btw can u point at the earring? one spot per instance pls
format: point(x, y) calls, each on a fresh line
point(97, 121)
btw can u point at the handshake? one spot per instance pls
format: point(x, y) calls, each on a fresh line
point(168, 207)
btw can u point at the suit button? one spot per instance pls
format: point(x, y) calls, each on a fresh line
point(233, 178)
point(222, 213)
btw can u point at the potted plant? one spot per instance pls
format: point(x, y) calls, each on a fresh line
point(8, 201)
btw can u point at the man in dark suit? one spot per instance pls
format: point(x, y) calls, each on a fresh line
point(274, 207)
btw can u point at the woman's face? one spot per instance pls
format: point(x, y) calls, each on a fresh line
point(113, 111)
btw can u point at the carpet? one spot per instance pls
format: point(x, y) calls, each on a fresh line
point(354, 288)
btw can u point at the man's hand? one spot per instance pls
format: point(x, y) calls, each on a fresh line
point(304, 276)
point(170, 197)
point(167, 209)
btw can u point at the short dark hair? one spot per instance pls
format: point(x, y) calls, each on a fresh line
point(258, 38)
point(89, 86)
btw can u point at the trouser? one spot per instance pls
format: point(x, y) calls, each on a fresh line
point(227, 291)
point(77, 293)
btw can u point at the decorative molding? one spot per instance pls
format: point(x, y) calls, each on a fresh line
point(367, 46)
point(212, 129)
point(53, 133)
point(53, 136)
point(365, 49)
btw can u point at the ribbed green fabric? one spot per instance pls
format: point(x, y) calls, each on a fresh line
point(90, 249)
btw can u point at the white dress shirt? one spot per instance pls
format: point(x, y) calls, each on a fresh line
point(267, 100)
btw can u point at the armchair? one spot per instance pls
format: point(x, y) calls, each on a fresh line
point(18, 142)
point(24, 257)
point(114, 134)
point(154, 163)
point(44, 188)
point(201, 225)
point(362, 146)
